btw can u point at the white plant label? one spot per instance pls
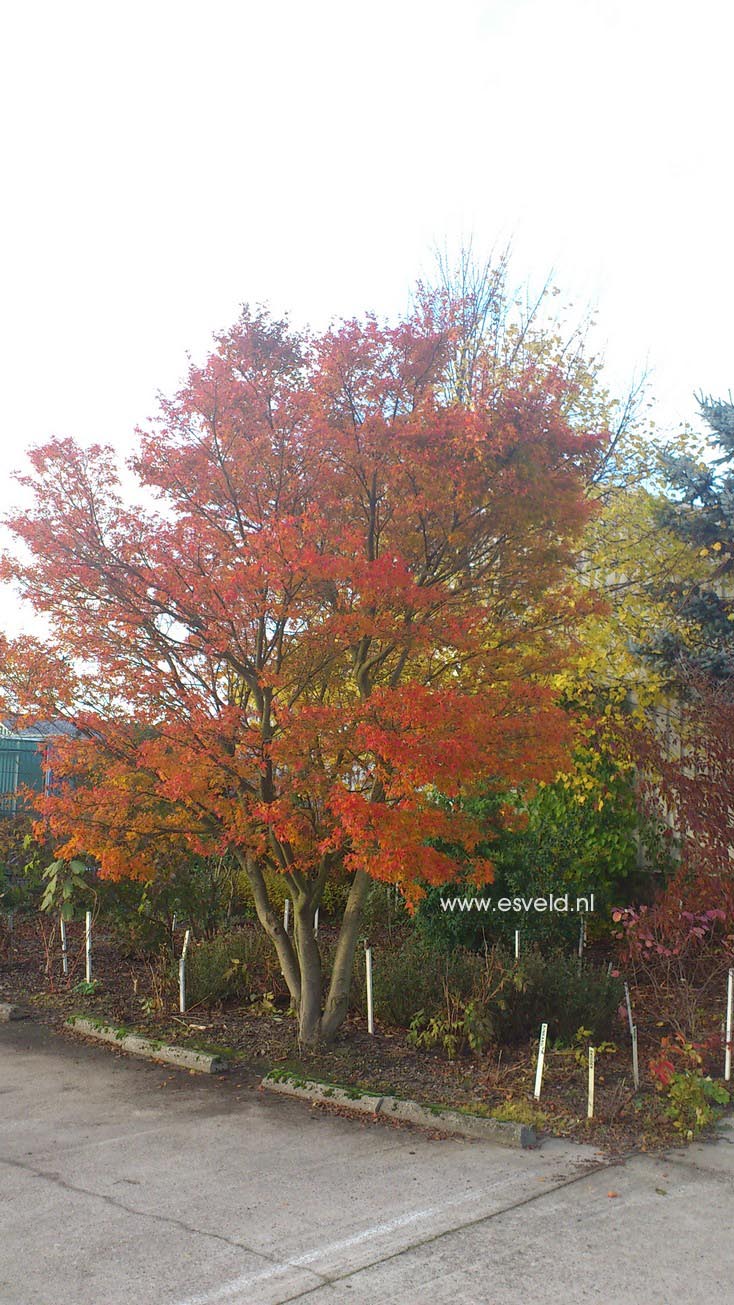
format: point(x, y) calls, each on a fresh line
point(629, 1008)
point(370, 1007)
point(64, 948)
point(182, 973)
point(541, 1059)
point(729, 1014)
point(88, 945)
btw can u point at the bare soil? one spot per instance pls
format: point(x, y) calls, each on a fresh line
point(262, 1035)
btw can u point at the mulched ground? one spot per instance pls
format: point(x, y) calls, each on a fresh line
point(261, 1037)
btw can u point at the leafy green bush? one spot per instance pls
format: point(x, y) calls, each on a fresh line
point(385, 914)
point(465, 1026)
point(139, 915)
point(562, 992)
point(202, 892)
point(694, 1102)
point(463, 999)
point(67, 889)
point(22, 862)
point(333, 898)
point(229, 967)
point(9, 896)
point(412, 976)
point(578, 836)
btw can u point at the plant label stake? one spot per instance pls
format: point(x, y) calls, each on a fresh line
point(316, 923)
point(635, 1059)
point(182, 974)
point(592, 1067)
point(582, 936)
point(64, 948)
point(88, 945)
point(629, 1009)
point(541, 1059)
point(729, 1013)
point(287, 913)
point(517, 944)
point(368, 974)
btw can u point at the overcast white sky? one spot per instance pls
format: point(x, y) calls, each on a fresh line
point(164, 161)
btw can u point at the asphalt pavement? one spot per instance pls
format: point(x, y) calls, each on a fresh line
point(126, 1182)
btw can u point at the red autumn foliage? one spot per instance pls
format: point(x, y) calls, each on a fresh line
point(342, 601)
point(686, 775)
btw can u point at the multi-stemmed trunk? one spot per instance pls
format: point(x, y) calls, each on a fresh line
point(320, 1001)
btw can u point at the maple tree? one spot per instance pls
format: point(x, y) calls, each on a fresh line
point(344, 601)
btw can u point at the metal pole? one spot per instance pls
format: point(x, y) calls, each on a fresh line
point(635, 1059)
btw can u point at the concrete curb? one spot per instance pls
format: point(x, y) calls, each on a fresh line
point(10, 1012)
point(185, 1058)
point(499, 1131)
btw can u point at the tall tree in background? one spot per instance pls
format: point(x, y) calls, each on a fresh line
point(700, 512)
point(687, 757)
point(347, 599)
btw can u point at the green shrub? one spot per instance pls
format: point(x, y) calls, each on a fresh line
point(694, 1102)
point(333, 898)
point(385, 914)
point(580, 835)
point(463, 999)
point(562, 992)
point(412, 975)
point(139, 915)
point(463, 1026)
point(229, 967)
point(202, 892)
point(22, 863)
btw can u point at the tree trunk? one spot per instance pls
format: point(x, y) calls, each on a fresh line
point(273, 926)
point(301, 964)
point(335, 1007)
point(309, 963)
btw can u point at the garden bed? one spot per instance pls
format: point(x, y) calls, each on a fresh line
point(258, 1036)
